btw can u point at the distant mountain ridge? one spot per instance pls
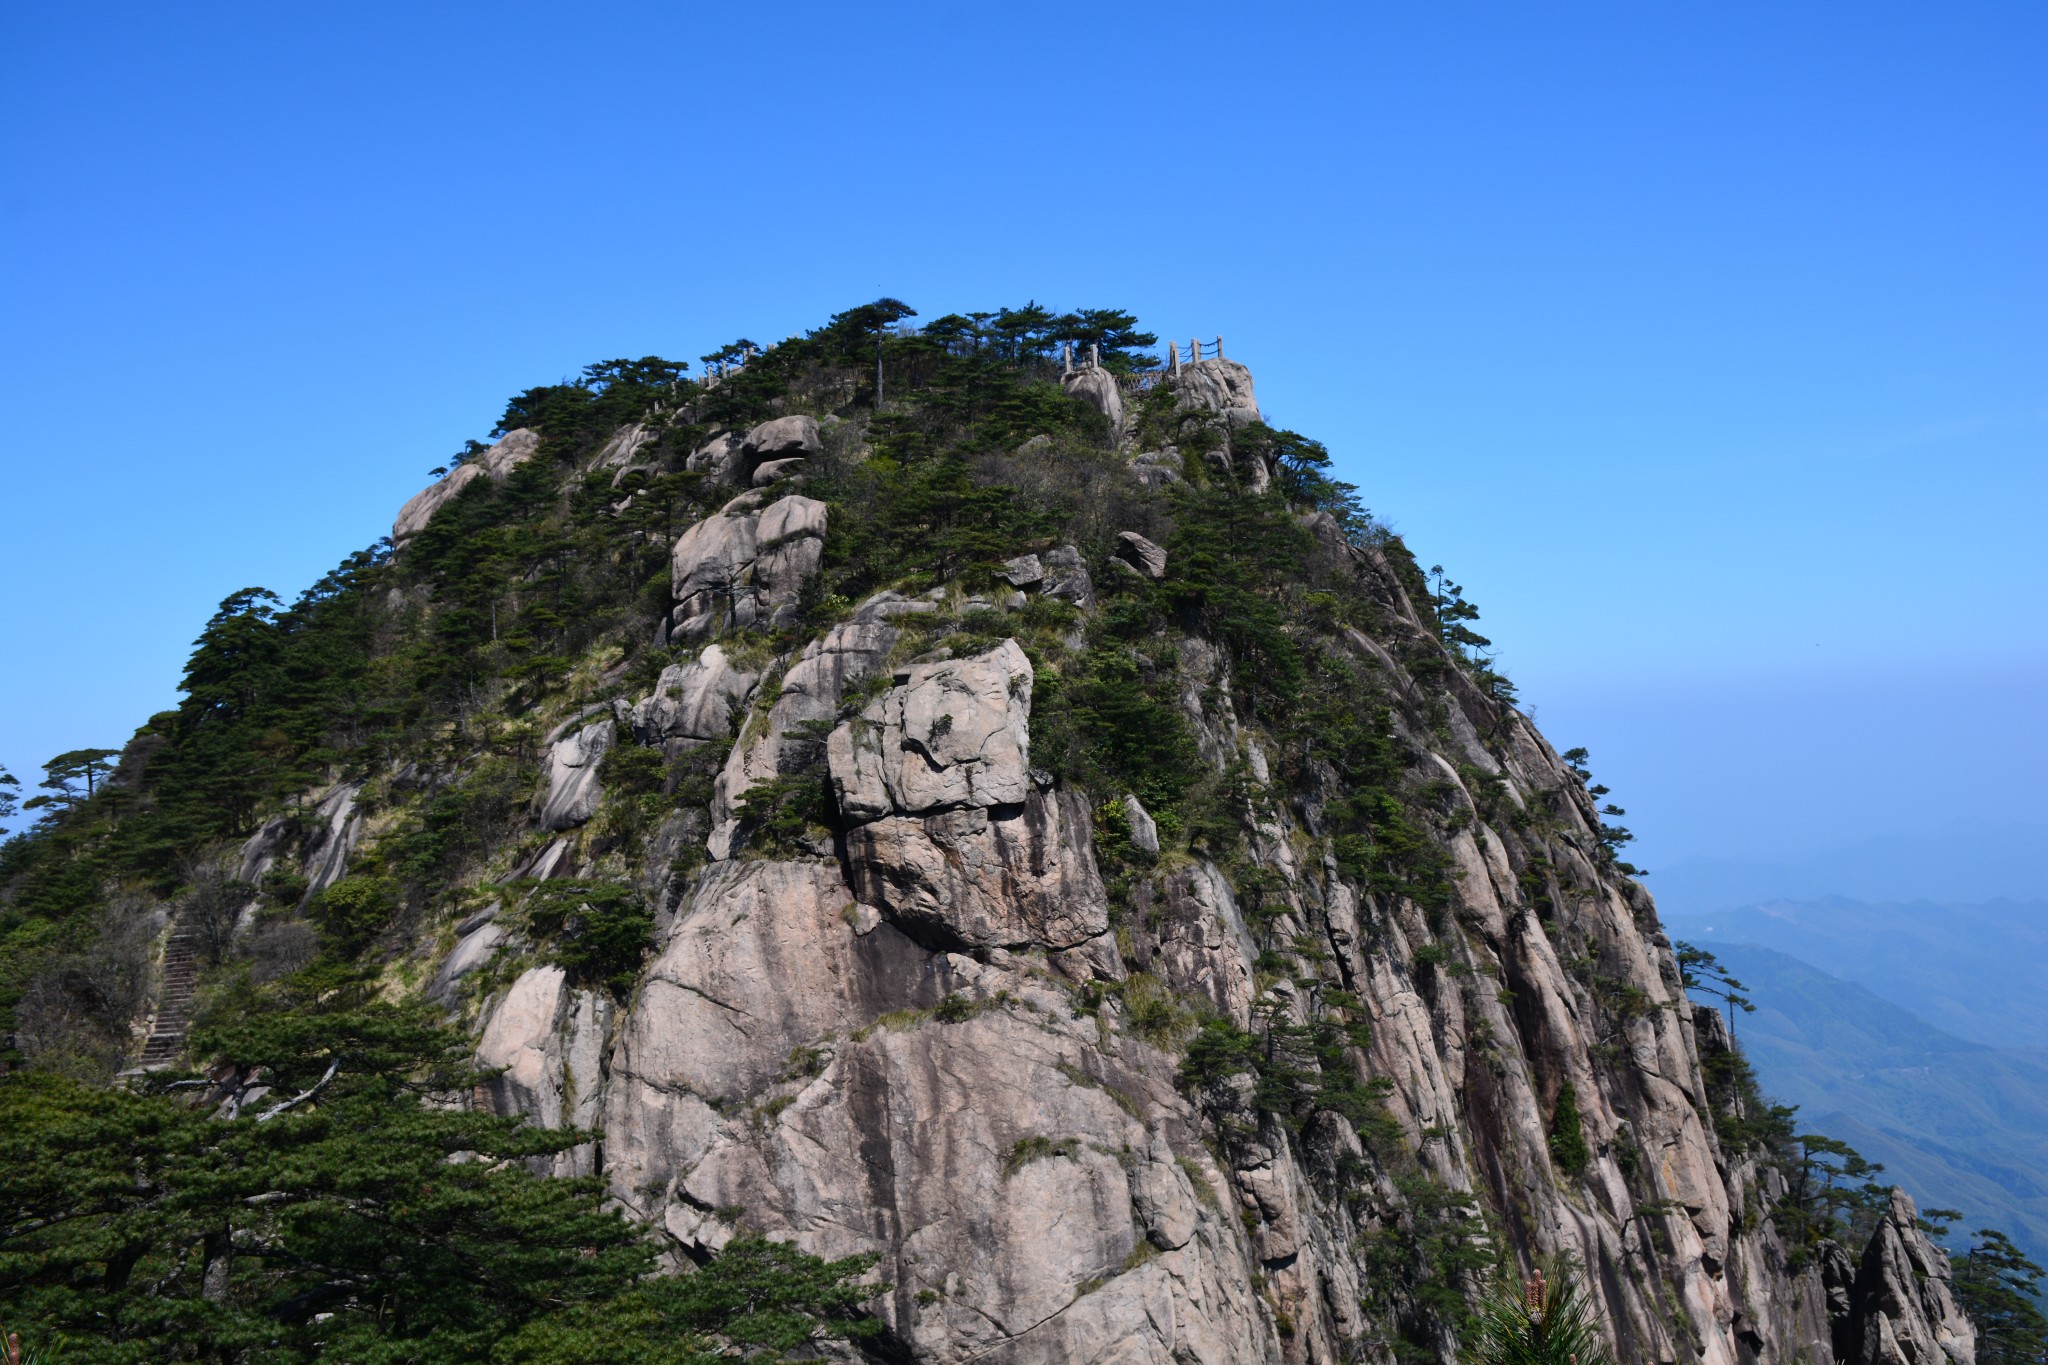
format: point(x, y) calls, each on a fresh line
point(1963, 1124)
point(1974, 971)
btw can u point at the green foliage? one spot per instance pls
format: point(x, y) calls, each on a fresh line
point(354, 911)
point(1567, 1132)
point(1425, 1263)
point(1550, 1324)
point(1296, 1072)
point(347, 1213)
point(1228, 560)
point(1702, 972)
point(1113, 726)
point(1027, 1150)
point(597, 931)
point(757, 1300)
point(2001, 1291)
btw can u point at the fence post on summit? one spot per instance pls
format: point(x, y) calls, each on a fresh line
point(1066, 357)
point(1173, 357)
point(1094, 356)
point(1219, 348)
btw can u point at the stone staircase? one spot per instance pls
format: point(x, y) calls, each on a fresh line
point(173, 1002)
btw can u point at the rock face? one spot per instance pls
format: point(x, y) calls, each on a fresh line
point(1098, 388)
point(744, 565)
point(495, 463)
point(1902, 1307)
point(573, 763)
point(694, 702)
point(927, 1030)
point(949, 835)
point(332, 840)
point(1222, 386)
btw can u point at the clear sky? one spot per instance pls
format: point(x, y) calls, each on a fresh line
point(1707, 346)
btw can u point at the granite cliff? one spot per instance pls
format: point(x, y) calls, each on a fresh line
point(1082, 863)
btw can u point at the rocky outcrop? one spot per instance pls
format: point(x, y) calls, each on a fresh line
point(744, 565)
point(948, 834)
point(1902, 1308)
point(624, 446)
point(1098, 388)
point(546, 1041)
point(1141, 554)
point(695, 702)
point(919, 1030)
point(331, 838)
point(784, 438)
point(1066, 576)
point(1032, 1198)
point(500, 460)
point(1224, 387)
point(573, 764)
point(790, 737)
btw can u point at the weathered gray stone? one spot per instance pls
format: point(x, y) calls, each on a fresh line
point(471, 951)
point(1010, 878)
point(549, 1039)
point(1066, 576)
point(775, 471)
point(1222, 386)
point(1141, 554)
point(694, 701)
point(719, 458)
point(1022, 572)
point(950, 836)
point(624, 445)
point(500, 460)
point(1098, 388)
point(573, 788)
point(783, 438)
point(1903, 1306)
point(744, 565)
point(1144, 830)
point(809, 699)
point(948, 735)
point(331, 839)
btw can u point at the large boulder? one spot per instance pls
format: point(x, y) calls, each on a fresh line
point(1141, 554)
point(1224, 387)
point(950, 836)
point(495, 463)
point(744, 564)
point(696, 701)
point(784, 438)
point(1098, 388)
point(718, 457)
point(948, 735)
point(1066, 576)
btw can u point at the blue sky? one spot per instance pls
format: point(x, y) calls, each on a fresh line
point(1703, 345)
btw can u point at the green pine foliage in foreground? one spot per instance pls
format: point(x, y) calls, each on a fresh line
point(1545, 1322)
point(353, 1212)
